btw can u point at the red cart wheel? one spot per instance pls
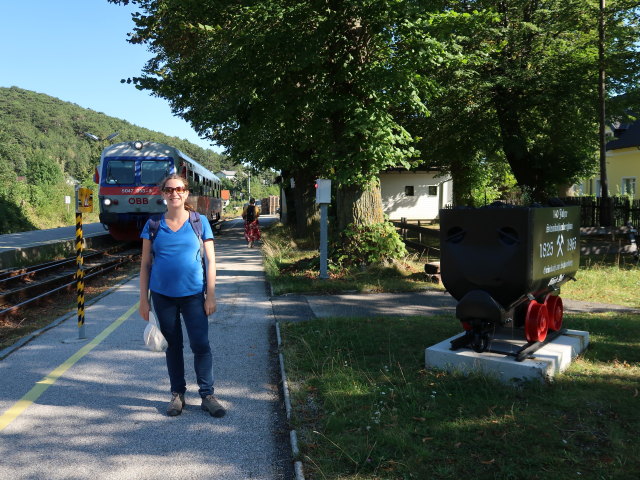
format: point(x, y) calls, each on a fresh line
point(536, 322)
point(555, 310)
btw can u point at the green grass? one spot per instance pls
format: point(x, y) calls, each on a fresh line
point(293, 266)
point(366, 408)
point(606, 281)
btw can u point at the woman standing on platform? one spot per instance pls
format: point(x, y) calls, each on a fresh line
point(177, 285)
point(250, 214)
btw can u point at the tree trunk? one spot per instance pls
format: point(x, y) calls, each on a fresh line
point(304, 197)
point(359, 206)
point(514, 143)
point(461, 184)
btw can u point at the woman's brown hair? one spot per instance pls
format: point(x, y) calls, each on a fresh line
point(175, 176)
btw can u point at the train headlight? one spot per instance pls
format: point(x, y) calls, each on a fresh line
point(138, 145)
point(106, 202)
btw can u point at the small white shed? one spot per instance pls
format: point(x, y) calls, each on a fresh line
point(415, 195)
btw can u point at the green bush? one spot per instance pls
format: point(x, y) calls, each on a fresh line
point(368, 244)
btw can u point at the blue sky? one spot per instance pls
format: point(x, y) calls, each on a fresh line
point(77, 51)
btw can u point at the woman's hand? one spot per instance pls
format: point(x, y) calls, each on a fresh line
point(210, 305)
point(144, 308)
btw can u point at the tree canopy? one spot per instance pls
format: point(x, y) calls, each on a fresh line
point(345, 89)
point(33, 122)
point(523, 88)
point(292, 84)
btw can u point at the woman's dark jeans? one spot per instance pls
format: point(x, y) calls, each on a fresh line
point(168, 310)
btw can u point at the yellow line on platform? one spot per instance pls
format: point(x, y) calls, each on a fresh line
point(32, 395)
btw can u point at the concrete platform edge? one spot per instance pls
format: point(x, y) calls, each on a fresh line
point(4, 353)
point(552, 359)
point(40, 253)
point(297, 464)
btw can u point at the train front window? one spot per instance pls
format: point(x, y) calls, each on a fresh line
point(153, 171)
point(120, 172)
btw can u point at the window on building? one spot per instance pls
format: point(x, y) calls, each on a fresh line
point(432, 190)
point(628, 186)
point(408, 191)
point(596, 187)
point(578, 189)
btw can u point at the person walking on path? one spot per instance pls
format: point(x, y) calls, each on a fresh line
point(250, 214)
point(181, 283)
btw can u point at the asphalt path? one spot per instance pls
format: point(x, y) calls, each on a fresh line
point(11, 241)
point(95, 408)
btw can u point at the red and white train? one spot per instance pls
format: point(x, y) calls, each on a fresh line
point(128, 177)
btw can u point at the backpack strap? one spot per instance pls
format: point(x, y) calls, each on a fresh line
point(154, 226)
point(194, 220)
point(196, 223)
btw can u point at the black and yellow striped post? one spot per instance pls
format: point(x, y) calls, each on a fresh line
point(80, 275)
point(84, 203)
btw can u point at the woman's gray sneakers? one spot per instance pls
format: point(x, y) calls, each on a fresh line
point(176, 404)
point(211, 405)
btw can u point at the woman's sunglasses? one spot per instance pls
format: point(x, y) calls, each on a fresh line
point(170, 190)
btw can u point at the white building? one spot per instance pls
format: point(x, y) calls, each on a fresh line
point(230, 174)
point(415, 195)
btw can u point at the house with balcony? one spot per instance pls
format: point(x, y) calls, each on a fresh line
point(623, 165)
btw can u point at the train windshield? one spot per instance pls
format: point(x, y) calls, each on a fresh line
point(152, 172)
point(121, 172)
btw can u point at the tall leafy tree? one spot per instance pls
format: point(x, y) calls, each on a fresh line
point(304, 86)
point(523, 88)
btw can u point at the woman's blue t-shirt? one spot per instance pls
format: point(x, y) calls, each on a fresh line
point(177, 267)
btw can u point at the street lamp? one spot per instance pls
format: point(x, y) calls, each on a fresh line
point(96, 138)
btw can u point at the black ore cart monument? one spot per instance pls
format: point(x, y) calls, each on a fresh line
point(505, 266)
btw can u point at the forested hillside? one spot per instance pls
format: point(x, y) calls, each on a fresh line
point(43, 148)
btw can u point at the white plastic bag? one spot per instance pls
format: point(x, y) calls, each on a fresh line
point(153, 338)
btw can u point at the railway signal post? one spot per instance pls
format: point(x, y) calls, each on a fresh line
point(84, 204)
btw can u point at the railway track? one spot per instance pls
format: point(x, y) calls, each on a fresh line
point(23, 287)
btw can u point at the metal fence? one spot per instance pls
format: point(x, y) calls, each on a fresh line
point(416, 236)
point(623, 209)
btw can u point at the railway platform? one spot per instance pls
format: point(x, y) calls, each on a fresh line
point(74, 409)
point(28, 248)
point(95, 408)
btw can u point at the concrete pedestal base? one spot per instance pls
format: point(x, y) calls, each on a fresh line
point(549, 360)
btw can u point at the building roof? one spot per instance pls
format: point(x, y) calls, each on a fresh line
point(227, 173)
point(630, 138)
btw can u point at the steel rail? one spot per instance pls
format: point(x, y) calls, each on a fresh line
point(11, 273)
point(10, 276)
point(59, 283)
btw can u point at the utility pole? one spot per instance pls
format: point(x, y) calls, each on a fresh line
point(323, 198)
point(605, 212)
